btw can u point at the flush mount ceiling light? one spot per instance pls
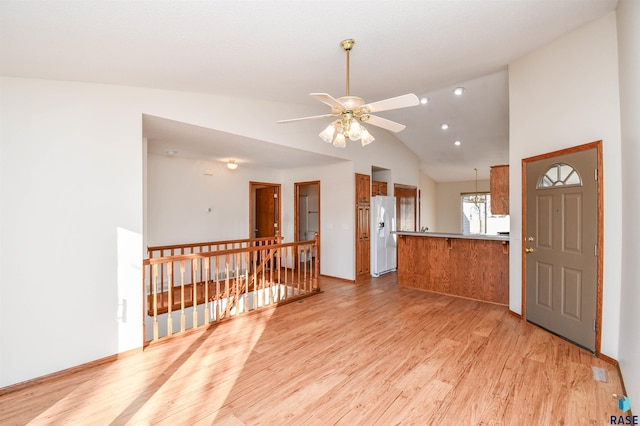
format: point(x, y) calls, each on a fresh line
point(232, 165)
point(444, 126)
point(458, 91)
point(171, 152)
point(457, 143)
point(424, 101)
point(351, 112)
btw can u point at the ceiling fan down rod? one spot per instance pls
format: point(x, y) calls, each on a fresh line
point(347, 45)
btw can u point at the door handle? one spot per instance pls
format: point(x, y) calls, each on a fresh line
point(528, 250)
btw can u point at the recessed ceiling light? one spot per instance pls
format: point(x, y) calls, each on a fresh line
point(458, 91)
point(457, 143)
point(444, 126)
point(424, 100)
point(171, 152)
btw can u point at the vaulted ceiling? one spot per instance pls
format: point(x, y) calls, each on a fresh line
point(284, 50)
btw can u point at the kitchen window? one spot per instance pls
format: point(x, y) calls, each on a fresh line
point(477, 217)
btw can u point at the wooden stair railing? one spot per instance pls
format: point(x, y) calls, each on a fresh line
point(188, 248)
point(221, 283)
point(246, 284)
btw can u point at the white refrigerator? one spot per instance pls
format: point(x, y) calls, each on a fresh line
point(383, 242)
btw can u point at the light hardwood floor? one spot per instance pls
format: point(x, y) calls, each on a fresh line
point(371, 353)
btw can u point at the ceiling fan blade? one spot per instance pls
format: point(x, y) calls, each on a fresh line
point(385, 124)
point(307, 118)
point(403, 101)
point(329, 100)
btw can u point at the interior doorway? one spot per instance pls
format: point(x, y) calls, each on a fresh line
point(264, 209)
point(306, 214)
point(406, 207)
point(562, 243)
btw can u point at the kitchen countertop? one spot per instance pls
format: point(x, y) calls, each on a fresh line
point(448, 235)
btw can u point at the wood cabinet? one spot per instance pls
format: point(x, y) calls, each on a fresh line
point(363, 244)
point(363, 189)
point(472, 268)
point(499, 187)
point(378, 188)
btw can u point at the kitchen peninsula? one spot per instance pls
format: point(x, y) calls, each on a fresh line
point(466, 265)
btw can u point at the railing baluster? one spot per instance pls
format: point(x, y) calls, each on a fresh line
point(263, 256)
point(218, 295)
point(170, 298)
point(287, 251)
point(299, 268)
point(254, 265)
point(238, 279)
point(154, 284)
point(183, 319)
point(226, 279)
point(279, 267)
point(206, 290)
point(246, 281)
point(194, 298)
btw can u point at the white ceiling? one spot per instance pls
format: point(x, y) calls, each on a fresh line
point(284, 50)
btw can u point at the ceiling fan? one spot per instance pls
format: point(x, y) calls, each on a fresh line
point(352, 111)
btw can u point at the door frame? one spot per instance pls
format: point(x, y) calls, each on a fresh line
point(296, 212)
point(252, 208)
point(600, 238)
point(397, 186)
point(296, 207)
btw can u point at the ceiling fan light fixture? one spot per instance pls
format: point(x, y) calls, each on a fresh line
point(355, 130)
point(327, 134)
point(339, 141)
point(366, 137)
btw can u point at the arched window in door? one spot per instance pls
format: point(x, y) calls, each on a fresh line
point(559, 174)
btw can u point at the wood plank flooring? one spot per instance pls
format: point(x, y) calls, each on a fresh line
point(367, 354)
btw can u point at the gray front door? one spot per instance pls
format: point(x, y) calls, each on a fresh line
point(561, 235)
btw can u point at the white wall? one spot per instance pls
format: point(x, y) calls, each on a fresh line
point(562, 95)
point(72, 176)
point(628, 18)
point(179, 196)
point(449, 205)
point(337, 217)
point(71, 226)
point(428, 203)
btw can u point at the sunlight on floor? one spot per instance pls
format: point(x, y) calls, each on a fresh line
point(180, 369)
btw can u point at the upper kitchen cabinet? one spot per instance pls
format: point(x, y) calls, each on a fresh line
point(499, 190)
point(363, 189)
point(378, 188)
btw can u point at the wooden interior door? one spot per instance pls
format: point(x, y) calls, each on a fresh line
point(363, 218)
point(561, 245)
point(265, 209)
point(406, 207)
point(363, 246)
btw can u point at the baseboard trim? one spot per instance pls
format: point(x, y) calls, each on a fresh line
point(68, 371)
point(610, 360)
point(338, 279)
point(515, 314)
